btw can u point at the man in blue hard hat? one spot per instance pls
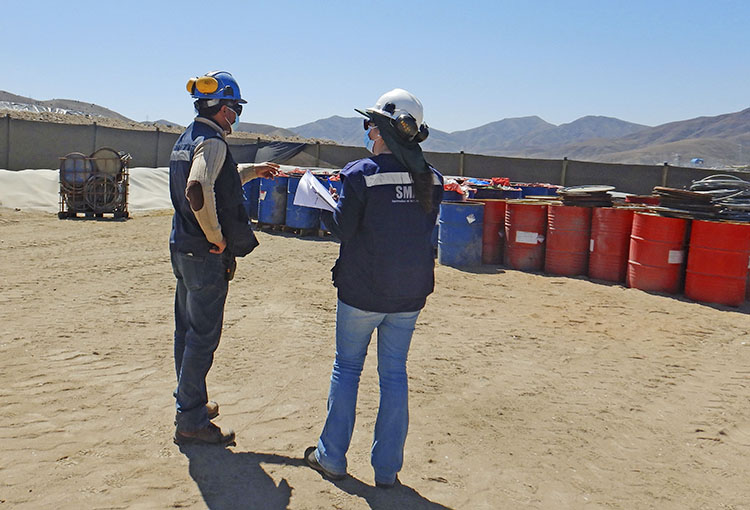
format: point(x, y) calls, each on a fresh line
point(210, 228)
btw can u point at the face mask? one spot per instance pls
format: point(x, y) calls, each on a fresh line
point(236, 122)
point(368, 143)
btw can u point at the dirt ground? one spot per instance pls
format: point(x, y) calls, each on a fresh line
point(526, 391)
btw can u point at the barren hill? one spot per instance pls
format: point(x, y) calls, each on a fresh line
point(719, 141)
point(722, 140)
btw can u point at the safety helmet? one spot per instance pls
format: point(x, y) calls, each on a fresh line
point(216, 85)
point(406, 114)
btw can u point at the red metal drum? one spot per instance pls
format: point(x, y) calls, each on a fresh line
point(493, 230)
point(525, 231)
point(657, 253)
point(567, 245)
point(610, 243)
point(717, 267)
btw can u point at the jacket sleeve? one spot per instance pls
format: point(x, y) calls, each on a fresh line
point(247, 172)
point(208, 159)
point(346, 218)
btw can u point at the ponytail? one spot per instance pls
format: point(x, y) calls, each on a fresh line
point(423, 189)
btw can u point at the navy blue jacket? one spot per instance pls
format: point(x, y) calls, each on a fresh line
point(386, 261)
point(187, 235)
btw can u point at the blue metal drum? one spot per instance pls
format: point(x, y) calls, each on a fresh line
point(251, 190)
point(452, 196)
point(460, 234)
point(533, 190)
point(296, 215)
point(512, 193)
point(272, 200)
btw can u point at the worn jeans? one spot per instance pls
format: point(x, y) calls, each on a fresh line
point(199, 311)
point(354, 329)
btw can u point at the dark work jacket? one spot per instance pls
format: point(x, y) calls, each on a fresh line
point(187, 235)
point(386, 260)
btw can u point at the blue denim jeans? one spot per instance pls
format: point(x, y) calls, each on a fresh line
point(199, 311)
point(354, 329)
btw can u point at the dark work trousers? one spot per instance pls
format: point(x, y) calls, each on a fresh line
point(199, 312)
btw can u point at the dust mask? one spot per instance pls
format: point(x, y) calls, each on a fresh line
point(369, 143)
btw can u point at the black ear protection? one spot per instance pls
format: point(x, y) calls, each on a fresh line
point(406, 125)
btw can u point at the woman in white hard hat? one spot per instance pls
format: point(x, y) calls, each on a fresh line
point(385, 271)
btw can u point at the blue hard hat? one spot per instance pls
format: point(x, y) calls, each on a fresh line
point(215, 85)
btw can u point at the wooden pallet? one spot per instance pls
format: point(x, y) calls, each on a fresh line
point(72, 215)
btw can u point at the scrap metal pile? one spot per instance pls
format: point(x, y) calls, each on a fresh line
point(723, 197)
point(594, 195)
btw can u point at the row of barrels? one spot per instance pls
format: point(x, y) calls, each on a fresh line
point(708, 260)
point(271, 202)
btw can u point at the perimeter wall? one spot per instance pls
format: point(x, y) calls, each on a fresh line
point(26, 144)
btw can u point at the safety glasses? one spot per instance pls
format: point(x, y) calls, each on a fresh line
point(236, 108)
point(369, 124)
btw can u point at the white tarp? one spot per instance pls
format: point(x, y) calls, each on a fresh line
point(39, 189)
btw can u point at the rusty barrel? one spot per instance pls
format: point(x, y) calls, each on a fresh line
point(525, 231)
point(567, 245)
point(493, 230)
point(717, 264)
point(657, 253)
point(610, 243)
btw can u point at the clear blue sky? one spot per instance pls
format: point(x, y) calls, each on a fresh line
point(469, 62)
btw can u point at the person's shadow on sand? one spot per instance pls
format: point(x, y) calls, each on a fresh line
point(400, 496)
point(234, 480)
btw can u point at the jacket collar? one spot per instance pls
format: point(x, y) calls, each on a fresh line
point(211, 124)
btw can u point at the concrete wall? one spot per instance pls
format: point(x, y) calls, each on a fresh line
point(30, 144)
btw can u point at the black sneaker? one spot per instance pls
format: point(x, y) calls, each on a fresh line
point(312, 461)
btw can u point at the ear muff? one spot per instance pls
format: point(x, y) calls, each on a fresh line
point(407, 128)
point(423, 133)
point(204, 85)
point(207, 84)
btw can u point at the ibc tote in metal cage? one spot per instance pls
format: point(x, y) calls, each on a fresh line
point(94, 186)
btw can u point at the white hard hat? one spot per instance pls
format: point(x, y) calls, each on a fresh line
point(399, 101)
point(405, 113)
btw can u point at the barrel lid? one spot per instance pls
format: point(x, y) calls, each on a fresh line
point(587, 188)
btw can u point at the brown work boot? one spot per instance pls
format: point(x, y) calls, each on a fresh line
point(212, 408)
point(210, 434)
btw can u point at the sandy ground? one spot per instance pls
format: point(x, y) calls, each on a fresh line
point(527, 391)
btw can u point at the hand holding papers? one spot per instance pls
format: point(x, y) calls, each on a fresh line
point(312, 193)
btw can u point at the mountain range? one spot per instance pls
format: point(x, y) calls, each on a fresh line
point(716, 141)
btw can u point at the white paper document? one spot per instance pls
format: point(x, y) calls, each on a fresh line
point(312, 193)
